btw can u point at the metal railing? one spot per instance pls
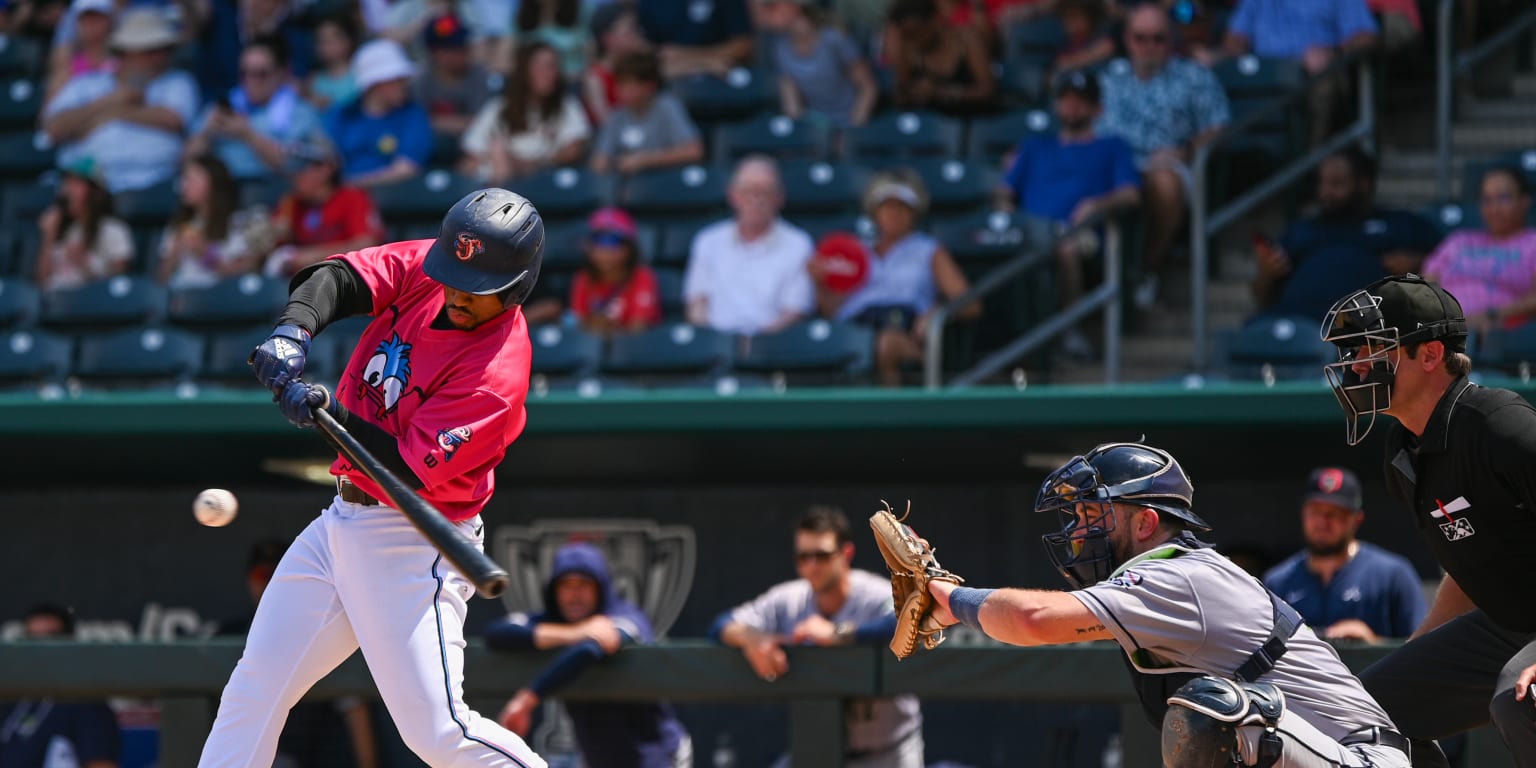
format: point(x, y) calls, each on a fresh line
point(1105, 298)
point(1205, 224)
point(1449, 65)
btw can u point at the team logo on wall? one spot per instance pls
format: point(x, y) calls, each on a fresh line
point(652, 564)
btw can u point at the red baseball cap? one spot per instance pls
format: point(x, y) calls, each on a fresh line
point(611, 221)
point(844, 260)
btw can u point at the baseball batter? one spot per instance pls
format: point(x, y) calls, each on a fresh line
point(1223, 666)
point(435, 388)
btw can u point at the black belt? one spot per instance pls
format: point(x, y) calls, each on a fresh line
point(1377, 735)
point(353, 494)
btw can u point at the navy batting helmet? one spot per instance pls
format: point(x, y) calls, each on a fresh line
point(491, 242)
point(1084, 491)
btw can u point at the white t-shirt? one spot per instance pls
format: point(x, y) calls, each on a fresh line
point(539, 143)
point(114, 246)
point(750, 285)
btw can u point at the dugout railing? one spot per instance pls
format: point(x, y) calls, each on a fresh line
point(187, 676)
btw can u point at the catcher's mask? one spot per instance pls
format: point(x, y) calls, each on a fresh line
point(1084, 492)
point(1369, 327)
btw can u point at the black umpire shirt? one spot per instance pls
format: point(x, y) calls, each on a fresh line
point(1470, 483)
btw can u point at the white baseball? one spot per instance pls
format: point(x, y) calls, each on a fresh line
point(215, 507)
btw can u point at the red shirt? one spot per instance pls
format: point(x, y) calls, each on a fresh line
point(636, 300)
point(454, 399)
point(348, 214)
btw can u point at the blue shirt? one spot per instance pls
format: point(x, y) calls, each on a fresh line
point(1285, 29)
point(368, 143)
point(1375, 586)
point(1050, 177)
point(902, 276)
point(32, 730)
point(285, 118)
point(1333, 255)
point(693, 22)
point(1169, 109)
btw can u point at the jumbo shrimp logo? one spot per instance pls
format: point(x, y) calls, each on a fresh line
point(388, 374)
point(450, 439)
point(467, 247)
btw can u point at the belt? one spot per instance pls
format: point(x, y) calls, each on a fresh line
point(353, 494)
point(1378, 735)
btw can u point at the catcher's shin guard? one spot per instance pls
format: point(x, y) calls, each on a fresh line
point(1200, 729)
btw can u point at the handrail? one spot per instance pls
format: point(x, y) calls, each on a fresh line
point(1106, 295)
point(1447, 66)
point(1204, 224)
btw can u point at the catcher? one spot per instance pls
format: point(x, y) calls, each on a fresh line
point(1228, 672)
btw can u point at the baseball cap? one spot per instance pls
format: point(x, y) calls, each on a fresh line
point(85, 167)
point(613, 222)
point(1421, 311)
point(1079, 82)
point(311, 150)
point(1334, 485)
point(446, 30)
point(380, 61)
point(93, 6)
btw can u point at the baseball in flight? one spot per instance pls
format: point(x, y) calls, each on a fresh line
point(215, 507)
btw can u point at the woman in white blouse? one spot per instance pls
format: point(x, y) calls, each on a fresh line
point(535, 124)
point(81, 241)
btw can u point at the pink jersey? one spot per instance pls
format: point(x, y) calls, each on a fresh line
point(454, 399)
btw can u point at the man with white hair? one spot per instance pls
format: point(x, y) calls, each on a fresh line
point(747, 274)
point(384, 135)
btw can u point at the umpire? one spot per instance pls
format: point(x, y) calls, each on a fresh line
point(1462, 457)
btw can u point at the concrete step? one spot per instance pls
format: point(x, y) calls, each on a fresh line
point(1488, 138)
point(1502, 110)
point(1525, 86)
point(1412, 191)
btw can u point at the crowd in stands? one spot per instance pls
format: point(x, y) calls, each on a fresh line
point(278, 132)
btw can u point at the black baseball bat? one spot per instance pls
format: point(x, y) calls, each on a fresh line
point(489, 578)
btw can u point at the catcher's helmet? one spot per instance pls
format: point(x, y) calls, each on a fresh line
point(491, 242)
point(1084, 492)
point(1369, 325)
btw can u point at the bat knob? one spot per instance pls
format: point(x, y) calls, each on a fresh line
point(493, 584)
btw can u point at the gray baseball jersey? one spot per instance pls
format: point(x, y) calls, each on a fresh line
point(1195, 611)
point(873, 724)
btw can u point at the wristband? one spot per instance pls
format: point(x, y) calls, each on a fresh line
point(965, 604)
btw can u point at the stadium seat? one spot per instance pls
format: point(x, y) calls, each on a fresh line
point(812, 347)
point(740, 94)
point(30, 359)
point(1253, 84)
point(19, 57)
point(21, 102)
point(778, 136)
point(138, 357)
point(900, 135)
point(1038, 39)
point(993, 138)
point(19, 302)
point(669, 283)
point(227, 351)
point(667, 195)
point(1449, 217)
point(150, 207)
point(678, 349)
point(414, 207)
point(263, 192)
point(676, 243)
point(21, 202)
point(25, 155)
point(820, 188)
point(243, 300)
point(561, 351)
point(585, 387)
point(1273, 349)
point(565, 193)
point(1510, 350)
point(956, 186)
point(993, 237)
point(564, 246)
point(115, 301)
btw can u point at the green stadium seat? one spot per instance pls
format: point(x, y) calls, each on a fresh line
point(31, 359)
point(566, 193)
point(21, 102)
point(242, 300)
point(25, 155)
point(1273, 349)
point(116, 301)
point(834, 351)
point(19, 302)
point(819, 188)
point(740, 94)
point(562, 351)
point(901, 135)
point(955, 185)
point(778, 136)
point(990, 139)
point(670, 350)
point(147, 356)
point(671, 194)
point(669, 283)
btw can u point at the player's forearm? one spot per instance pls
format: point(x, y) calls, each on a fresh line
point(1450, 602)
point(1035, 617)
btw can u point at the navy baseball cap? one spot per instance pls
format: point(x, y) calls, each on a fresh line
point(1080, 82)
point(446, 30)
point(1334, 485)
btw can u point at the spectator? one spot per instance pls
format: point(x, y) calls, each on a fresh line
point(233, 24)
point(820, 71)
point(615, 34)
point(38, 22)
point(1350, 242)
point(558, 24)
point(455, 86)
point(331, 82)
point(908, 271)
point(1165, 108)
point(697, 38)
point(1312, 32)
point(129, 122)
point(313, 735)
point(832, 603)
point(1492, 272)
point(1401, 26)
point(650, 129)
point(585, 615)
point(614, 292)
point(935, 65)
point(321, 216)
point(1344, 588)
point(88, 51)
point(384, 135)
point(80, 240)
point(1088, 42)
point(42, 732)
point(536, 123)
point(748, 274)
point(1069, 178)
point(250, 128)
point(208, 240)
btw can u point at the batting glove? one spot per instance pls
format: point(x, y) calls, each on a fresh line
point(299, 401)
point(280, 359)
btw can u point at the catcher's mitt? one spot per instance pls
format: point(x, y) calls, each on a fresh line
point(912, 565)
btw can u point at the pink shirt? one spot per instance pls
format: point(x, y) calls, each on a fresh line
point(454, 399)
point(1484, 273)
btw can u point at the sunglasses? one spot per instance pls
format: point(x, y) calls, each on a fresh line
point(819, 555)
point(257, 74)
point(609, 239)
point(1153, 39)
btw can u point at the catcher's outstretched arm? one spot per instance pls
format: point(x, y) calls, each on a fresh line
point(1026, 616)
